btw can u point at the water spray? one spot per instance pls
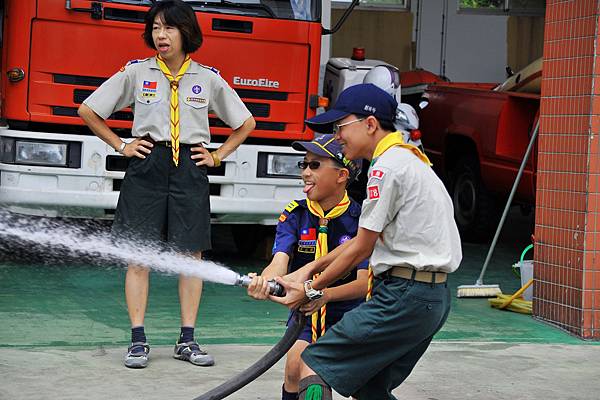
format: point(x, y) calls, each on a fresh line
point(275, 289)
point(75, 242)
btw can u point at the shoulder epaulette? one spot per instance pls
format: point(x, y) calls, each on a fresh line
point(291, 206)
point(136, 61)
point(213, 69)
point(132, 62)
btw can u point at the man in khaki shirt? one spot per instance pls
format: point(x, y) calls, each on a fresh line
point(407, 229)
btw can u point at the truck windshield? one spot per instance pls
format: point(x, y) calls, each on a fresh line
point(303, 10)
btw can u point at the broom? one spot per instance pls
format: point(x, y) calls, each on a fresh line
point(479, 289)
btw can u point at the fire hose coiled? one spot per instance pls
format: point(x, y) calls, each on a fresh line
point(260, 366)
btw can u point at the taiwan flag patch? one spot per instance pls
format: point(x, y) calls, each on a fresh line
point(149, 89)
point(308, 234)
point(373, 192)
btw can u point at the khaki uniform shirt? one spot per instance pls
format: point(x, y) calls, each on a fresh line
point(142, 85)
point(409, 205)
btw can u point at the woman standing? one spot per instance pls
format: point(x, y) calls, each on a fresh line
point(165, 194)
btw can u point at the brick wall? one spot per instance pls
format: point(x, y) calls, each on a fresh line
point(567, 272)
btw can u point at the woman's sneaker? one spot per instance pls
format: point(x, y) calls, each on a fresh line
point(137, 355)
point(191, 351)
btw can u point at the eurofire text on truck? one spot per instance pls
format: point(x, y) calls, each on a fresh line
point(56, 52)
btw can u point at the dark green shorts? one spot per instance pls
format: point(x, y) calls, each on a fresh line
point(161, 202)
point(374, 347)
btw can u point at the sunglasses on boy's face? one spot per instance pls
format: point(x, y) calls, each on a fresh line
point(311, 164)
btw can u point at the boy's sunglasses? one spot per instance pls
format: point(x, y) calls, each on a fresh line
point(312, 164)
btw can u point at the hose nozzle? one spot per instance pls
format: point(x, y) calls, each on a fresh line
point(275, 289)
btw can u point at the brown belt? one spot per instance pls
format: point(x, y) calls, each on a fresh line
point(420, 276)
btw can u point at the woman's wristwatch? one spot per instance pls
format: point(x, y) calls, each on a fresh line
point(312, 294)
point(121, 148)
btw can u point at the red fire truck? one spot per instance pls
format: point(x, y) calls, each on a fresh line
point(56, 52)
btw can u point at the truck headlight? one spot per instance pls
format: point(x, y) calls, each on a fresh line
point(274, 165)
point(41, 153)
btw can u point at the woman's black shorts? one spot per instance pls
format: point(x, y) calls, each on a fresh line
point(161, 202)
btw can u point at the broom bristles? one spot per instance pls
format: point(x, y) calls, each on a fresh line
point(478, 291)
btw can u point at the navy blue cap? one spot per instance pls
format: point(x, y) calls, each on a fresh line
point(364, 99)
point(327, 146)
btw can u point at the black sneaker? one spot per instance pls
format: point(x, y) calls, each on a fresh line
point(191, 351)
point(137, 355)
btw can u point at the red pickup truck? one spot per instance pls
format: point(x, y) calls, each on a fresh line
point(476, 136)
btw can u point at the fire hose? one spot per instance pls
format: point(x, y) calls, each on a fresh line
point(265, 362)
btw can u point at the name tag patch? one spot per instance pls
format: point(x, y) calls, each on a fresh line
point(373, 192)
point(198, 100)
point(307, 246)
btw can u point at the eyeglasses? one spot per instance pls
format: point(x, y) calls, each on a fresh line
point(312, 164)
point(338, 127)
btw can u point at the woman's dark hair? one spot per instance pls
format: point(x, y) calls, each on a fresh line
point(180, 15)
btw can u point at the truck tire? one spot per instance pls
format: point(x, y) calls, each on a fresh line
point(253, 240)
point(475, 210)
point(246, 238)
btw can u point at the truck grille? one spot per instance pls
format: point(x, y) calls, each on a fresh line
point(72, 112)
point(128, 116)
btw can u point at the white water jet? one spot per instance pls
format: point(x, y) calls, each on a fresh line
point(76, 242)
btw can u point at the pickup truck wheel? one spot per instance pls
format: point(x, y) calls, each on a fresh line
point(475, 210)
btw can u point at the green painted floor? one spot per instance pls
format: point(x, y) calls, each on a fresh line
point(80, 305)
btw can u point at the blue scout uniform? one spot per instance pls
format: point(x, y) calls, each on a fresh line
point(297, 236)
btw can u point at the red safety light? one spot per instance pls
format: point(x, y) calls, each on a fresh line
point(358, 53)
point(415, 135)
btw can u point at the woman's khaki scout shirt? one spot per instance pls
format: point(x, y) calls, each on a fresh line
point(142, 85)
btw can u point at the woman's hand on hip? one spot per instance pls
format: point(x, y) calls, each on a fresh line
point(202, 156)
point(138, 148)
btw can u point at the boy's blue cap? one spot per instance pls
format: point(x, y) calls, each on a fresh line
point(364, 99)
point(327, 146)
